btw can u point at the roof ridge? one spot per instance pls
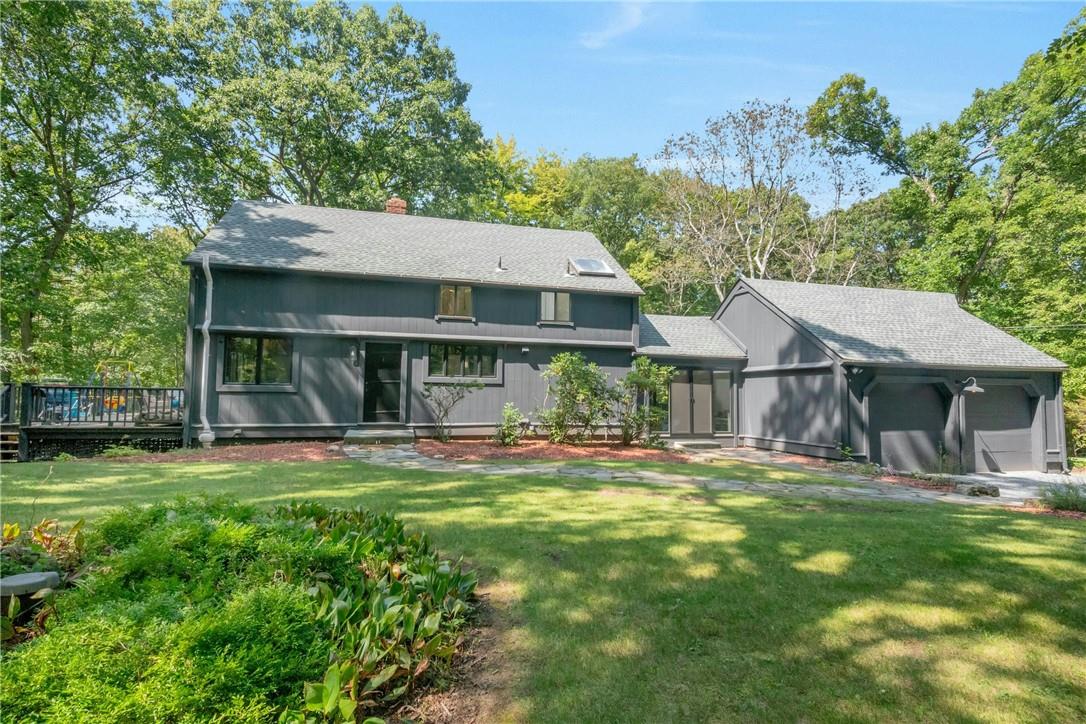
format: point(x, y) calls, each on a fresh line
point(384, 214)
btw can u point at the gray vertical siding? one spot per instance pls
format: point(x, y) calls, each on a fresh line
point(327, 316)
point(782, 406)
point(344, 305)
point(522, 384)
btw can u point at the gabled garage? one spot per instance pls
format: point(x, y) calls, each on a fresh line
point(906, 379)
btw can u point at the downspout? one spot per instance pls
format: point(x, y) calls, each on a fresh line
point(207, 435)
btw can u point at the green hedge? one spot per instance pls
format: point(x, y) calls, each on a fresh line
point(210, 610)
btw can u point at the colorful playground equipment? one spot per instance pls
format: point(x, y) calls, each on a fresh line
point(113, 395)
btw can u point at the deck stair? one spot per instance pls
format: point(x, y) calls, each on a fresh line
point(9, 443)
point(397, 435)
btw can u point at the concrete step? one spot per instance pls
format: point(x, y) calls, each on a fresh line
point(379, 436)
point(696, 444)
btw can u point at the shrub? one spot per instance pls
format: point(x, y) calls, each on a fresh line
point(122, 451)
point(642, 400)
point(1064, 496)
point(1075, 418)
point(511, 427)
point(201, 610)
point(64, 457)
point(582, 398)
point(442, 399)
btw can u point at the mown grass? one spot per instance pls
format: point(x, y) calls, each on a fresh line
point(722, 469)
point(623, 602)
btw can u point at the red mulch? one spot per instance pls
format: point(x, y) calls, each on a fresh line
point(544, 450)
point(1037, 510)
point(271, 452)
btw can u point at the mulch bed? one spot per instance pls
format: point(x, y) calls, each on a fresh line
point(1037, 510)
point(272, 452)
point(477, 450)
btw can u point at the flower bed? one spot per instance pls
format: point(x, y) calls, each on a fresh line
point(210, 610)
point(477, 450)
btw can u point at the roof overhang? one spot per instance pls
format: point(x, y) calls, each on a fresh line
point(914, 365)
point(407, 278)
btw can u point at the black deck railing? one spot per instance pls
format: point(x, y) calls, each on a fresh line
point(97, 406)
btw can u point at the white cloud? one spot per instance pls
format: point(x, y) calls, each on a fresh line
point(630, 16)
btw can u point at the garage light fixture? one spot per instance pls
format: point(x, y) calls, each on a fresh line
point(971, 386)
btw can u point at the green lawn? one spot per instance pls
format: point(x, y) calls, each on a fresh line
point(619, 602)
point(722, 469)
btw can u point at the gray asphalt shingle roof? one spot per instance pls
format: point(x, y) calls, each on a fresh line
point(665, 335)
point(319, 239)
point(893, 326)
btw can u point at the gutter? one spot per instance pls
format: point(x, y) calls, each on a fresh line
point(207, 435)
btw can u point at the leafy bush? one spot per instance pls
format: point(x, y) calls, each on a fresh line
point(642, 400)
point(122, 451)
point(442, 400)
point(209, 610)
point(1064, 496)
point(511, 428)
point(582, 398)
point(64, 457)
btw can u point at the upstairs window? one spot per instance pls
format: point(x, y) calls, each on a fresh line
point(257, 360)
point(454, 301)
point(555, 307)
point(463, 360)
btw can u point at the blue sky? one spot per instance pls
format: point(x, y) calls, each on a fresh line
point(619, 78)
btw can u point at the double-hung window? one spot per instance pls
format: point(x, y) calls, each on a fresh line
point(463, 360)
point(454, 301)
point(257, 360)
point(555, 307)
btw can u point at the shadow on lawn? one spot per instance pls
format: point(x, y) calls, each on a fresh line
point(657, 604)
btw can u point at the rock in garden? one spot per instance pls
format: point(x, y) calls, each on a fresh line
point(977, 489)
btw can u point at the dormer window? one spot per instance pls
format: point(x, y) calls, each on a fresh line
point(454, 301)
point(586, 267)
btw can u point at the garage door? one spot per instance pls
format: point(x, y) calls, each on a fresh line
point(999, 424)
point(907, 425)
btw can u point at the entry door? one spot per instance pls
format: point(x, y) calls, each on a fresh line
point(381, 388)
point(691, 400)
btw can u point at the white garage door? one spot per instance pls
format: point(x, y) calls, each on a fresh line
point(999, 424)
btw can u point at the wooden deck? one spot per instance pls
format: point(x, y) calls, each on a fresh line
point(38, 422)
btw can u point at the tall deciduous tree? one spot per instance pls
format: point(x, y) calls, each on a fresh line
point(992, 206)
point(740, 194)
point(972, 171)
point(80, 88)
point(316, 104)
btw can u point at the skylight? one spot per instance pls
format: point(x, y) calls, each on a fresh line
point(590, 267)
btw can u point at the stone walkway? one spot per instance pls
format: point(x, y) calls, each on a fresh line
point(858, 487)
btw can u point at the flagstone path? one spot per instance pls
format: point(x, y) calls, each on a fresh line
point(853, 487)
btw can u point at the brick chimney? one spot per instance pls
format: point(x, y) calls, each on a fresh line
point(396, 205)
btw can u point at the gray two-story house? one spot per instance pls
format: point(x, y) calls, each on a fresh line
point(308, 321)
